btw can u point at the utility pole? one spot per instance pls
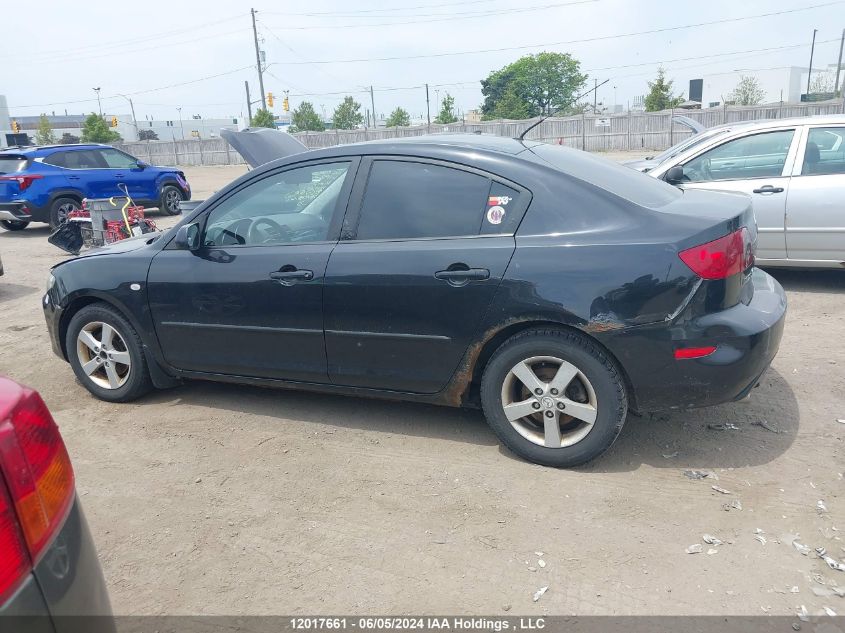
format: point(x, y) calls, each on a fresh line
point(839, 68)
point(595, 95)
point(427, 109)
point(134, 120)
point(373, 104)
point(99, 105)
point(248, 102)
point(181, 125)
point(258, 61)
point(810, 70)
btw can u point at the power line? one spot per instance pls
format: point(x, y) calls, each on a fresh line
point(123, 43)
point(441, 17)
point(562, 43)
point(422, 6)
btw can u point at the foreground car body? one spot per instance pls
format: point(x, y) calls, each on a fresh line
point(48, 564)
point(44, 184)
point(794, 170)
point(543, 283)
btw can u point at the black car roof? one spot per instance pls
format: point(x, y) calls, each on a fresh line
point(487, 142)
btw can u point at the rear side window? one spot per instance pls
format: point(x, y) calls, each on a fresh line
point(624, 182)
point(408, 200)
point(76, 159)
point(825, 152)
point(12, 164)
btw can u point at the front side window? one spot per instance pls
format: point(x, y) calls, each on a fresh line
point(754, 156)
point(288, 207)
point(408, 200)
point(825, 152)
point(118, 160)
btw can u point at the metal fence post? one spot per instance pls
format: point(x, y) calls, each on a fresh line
point(584, 131)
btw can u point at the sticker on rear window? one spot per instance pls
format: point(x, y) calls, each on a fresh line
point(499, 201)
point(495, 215)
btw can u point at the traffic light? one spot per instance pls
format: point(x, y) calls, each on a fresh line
point(114, 121)
point(270, 100)
point(286, 105)
point(16, 127)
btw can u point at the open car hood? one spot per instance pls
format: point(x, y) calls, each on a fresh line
point(262, 145)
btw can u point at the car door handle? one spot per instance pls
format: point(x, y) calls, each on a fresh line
point(120, 175)
point(283, 276)
point(768, 189)
point(463, 275)
point(73, 177)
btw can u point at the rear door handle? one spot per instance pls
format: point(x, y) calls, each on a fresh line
point(120, 175)
point(768, 189)
point(73, 177)
point(463, 275)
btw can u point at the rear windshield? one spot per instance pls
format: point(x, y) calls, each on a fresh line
point(643, 190)
point(11, 164)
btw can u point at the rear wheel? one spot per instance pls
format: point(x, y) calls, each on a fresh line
point(553, 397)
point(59, 211)
point(171, 196)
point(14, 225)
point(106, 354)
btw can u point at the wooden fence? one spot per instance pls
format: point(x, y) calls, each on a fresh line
point(615, 132)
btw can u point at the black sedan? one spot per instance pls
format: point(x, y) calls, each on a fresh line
point(552, 288)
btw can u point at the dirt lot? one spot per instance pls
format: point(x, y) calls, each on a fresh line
point(211, 498)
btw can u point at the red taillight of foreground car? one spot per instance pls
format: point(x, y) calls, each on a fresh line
point(694, 352)
point(24, 181)
point(38, 480)
point(721, 258)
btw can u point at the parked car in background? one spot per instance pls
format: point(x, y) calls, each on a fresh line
point(794, 171)
point(551, 287)
point(48, 563)
point(650, 162)
point(44, 184)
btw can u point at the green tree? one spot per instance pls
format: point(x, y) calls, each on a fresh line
point(545, 82)
point(44, 135)
point(147, 135)
point(263, 118)
point(68, 139)
point(347, 116)
point(447, 110)
point(96, 130)
point(660, 95)
point(399, 117)
point(747, 92)
point(305, 118)
point(509, 106)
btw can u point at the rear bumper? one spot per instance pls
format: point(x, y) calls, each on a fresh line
point(24, 211)
point(746, 337)
point(67, 583)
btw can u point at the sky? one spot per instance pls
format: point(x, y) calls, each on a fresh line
point(196, 55)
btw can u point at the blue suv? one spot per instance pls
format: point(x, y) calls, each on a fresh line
point(43, 184)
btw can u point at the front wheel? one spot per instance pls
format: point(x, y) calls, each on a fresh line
point(14, 225)
point(554, 397)
point(171, 196)
point(106, 354)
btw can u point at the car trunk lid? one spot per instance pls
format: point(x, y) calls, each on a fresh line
point(262, 145)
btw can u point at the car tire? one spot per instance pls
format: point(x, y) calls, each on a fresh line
point(120, 373)
point(14, 225)
point(171, 196)
point(592, 388)
point(59, 210)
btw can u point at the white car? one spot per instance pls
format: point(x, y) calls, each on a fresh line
point(794, 169)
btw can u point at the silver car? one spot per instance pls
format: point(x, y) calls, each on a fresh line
point(794, 169)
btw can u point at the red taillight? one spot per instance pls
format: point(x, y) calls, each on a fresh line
point(694, 352)
point(24, 181)
point(38, 476)
point(721, 258)
point(14, 558)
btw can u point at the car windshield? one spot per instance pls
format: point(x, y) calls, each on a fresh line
point(12, 164)
point(605, 174)
point(686, 144)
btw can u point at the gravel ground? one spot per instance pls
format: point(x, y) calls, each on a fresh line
point(218, 499)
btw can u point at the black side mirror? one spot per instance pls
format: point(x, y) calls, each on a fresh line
point(141, 165)
point(187, 237)
point(675, 175)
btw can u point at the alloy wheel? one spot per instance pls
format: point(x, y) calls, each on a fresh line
point(63, 211)
point(172, 200)
point(103, 355)
point(549, 401)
